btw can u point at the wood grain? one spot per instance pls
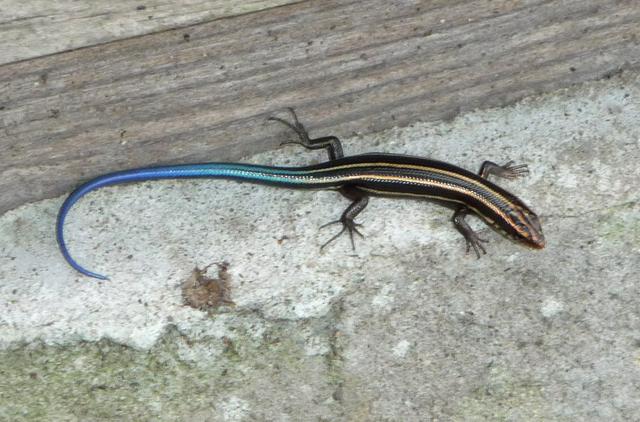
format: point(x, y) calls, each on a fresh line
point(36, 28)
point(345, 66)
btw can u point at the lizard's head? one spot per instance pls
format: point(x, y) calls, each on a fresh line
point(525, 227)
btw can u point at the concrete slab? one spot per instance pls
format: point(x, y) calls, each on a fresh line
point(405, 328)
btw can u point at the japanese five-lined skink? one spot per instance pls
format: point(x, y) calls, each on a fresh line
point(357, 177)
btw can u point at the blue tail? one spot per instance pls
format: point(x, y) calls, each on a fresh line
point(258, 174)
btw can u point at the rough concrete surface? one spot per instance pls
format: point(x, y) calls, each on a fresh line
point(407, 327)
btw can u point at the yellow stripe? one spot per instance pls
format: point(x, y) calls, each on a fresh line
point(416, 181)
point(442, 198)
point(415, 167)
point(464, 191)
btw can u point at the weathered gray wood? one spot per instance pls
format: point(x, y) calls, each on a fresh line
point(36, 28)
point(345, 66)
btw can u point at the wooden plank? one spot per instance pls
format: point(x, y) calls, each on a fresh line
point(346, 68)
point(36, 28)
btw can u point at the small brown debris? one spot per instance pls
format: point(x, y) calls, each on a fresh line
point(205, 293)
